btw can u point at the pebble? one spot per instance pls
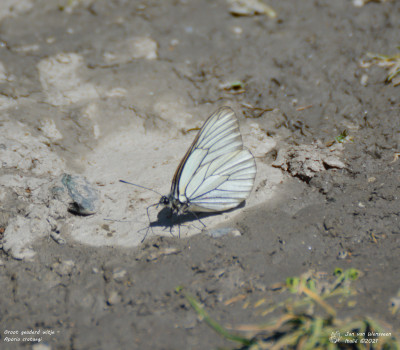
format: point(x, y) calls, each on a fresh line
point(64, 267)
point(41, 346)
point(220, 232)
point(113, 298)
point(85, 199)
point(118, 274)
point(364, 80)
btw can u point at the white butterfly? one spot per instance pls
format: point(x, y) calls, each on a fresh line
point(216, 173)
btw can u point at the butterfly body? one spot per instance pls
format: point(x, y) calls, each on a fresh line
point(217, 173)
point(174, 204)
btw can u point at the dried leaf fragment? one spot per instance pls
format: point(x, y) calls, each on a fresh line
point(390, 62)
point(361, 3)
point(250, 8)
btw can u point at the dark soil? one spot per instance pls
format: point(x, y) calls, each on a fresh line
point(339, 218)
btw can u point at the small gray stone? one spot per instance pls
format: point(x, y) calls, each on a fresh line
point(64, 267)
point(57, 238)
point(114, 298)
point(41, 346)
point(85, 199)
point(220, 232)
point(118, 274)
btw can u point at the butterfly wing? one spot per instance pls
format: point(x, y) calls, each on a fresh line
point(217, 173)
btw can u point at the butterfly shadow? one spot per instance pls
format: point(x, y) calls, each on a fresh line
point(167, 220)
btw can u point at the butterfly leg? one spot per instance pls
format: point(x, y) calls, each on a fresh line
point(149, 227)
point(201, 222)
point(145, 235)
point(148, 217)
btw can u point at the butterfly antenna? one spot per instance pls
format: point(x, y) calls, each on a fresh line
point(145, 235)
point(146, 188)
point(116, 220)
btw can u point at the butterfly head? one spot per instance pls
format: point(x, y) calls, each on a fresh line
point(164, 200)
point(174, 204)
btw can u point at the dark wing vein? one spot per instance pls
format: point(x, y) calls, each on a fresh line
point(210, 175)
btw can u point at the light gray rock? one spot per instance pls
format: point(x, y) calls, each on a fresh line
point(85, 198)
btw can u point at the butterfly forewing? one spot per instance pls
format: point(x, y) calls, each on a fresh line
point(222, 119)
point(216, 173)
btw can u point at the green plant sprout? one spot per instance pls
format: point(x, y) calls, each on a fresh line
point(308, 320)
